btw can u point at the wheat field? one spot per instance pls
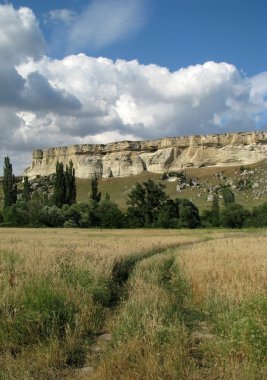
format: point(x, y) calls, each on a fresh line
point(133, 304)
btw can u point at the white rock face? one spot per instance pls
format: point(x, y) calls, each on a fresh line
point(127, 158)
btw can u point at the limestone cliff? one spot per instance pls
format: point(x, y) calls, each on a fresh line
point(126, 158)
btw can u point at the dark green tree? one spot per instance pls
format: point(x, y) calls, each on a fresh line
point(145, 201)
point(168, 215)
point(228, 196)
point(188, 214)
point(234, 216)
point(110, 216)
point(60, 186)
point(215, 211)
point(259, 216)
point(95, 195)
point(70, 184)
point(26, 193)
point(9, 184)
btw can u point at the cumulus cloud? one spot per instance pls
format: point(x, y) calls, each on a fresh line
point(79, 99)
point(148, 101)
point(20, 35)
point(20, 41)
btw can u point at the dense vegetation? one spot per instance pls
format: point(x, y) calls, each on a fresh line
point(148, 206)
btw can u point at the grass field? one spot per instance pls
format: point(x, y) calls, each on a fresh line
point(133, 304)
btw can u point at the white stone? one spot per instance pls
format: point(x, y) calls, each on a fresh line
point(127, 158)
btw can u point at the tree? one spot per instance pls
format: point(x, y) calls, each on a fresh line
point(234, 216)
point(26, 193)
point(70, 184)
point(168, 215)
point(228, 196)
point(188, 214)
point(110, 215)
point(9, 184)
point(259, 216)
point(52, 216)
point(60, 186)
point(95, 195)
point(17, 214)
point(215, 211)
point(145, 201)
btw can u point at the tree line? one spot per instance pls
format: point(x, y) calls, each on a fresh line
point(148, 206)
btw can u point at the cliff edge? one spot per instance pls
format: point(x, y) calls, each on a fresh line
point(126, 158)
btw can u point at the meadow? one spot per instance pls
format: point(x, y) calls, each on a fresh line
point(133, 304)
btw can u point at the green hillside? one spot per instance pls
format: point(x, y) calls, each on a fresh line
point(119, 188)
point(208, 177)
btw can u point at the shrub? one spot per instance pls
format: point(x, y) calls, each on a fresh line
point(52, 216)
point(70, 224)
point(16, 214)
point(234, 216)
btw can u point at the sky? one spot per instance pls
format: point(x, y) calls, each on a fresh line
point(98, 71)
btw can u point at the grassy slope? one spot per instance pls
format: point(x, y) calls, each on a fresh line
point(120, 187)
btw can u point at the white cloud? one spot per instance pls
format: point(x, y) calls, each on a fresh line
point(20, 41)
point(148, 101)
point(20, 35)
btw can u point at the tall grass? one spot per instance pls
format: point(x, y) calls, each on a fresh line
point(178, 304)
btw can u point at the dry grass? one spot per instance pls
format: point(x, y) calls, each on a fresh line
point(196, 309)
point(97, 248)
point(234, 268)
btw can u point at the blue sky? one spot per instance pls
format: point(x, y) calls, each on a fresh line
point(179, 33)
point(78, 71)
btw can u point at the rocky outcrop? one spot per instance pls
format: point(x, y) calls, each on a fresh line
point(126, 158)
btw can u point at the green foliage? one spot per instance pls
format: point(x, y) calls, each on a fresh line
point(59, 195)
point(215, 211)
point(34, 207)
point(73, 213)
point(9, 184)
point(145, 201)
point(70, 184)
point(52, 216)
point(110, 216)
point(95, 195)
point(168, 215)
point(65, 185)
point(16, 214)
point(26, 193)
point(228, 196)
point(259, 216)
point(188, 214)
point(234, 216)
